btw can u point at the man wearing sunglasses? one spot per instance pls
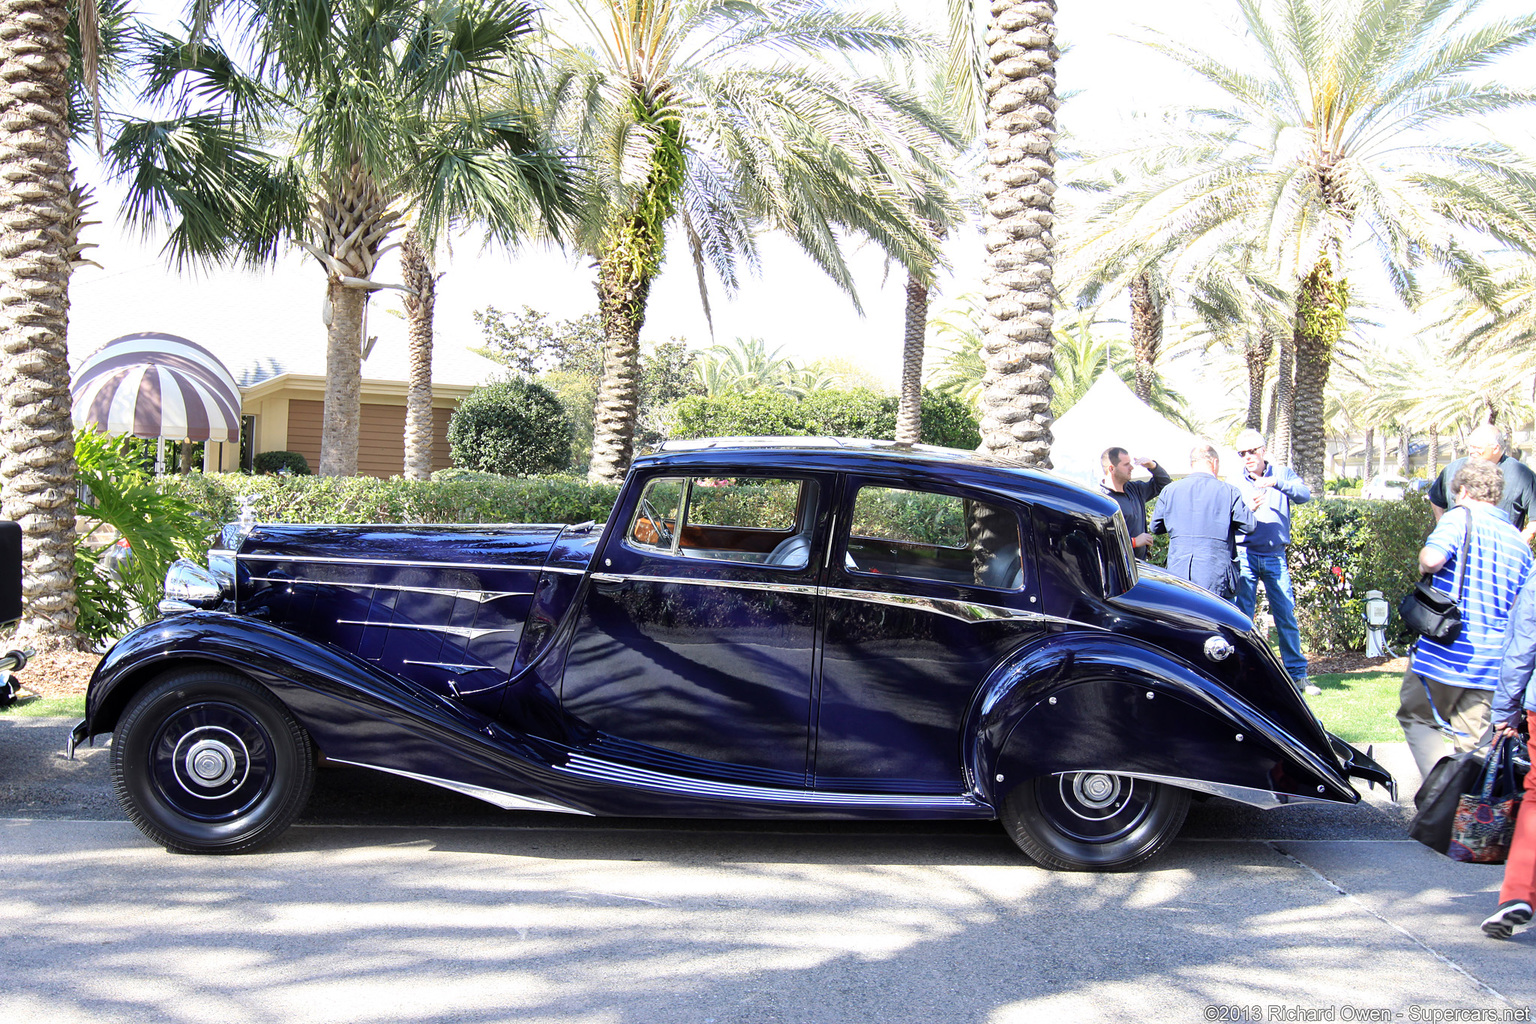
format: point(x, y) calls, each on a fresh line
point(1270, 490)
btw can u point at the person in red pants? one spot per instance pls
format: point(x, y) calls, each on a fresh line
point(1516, 688)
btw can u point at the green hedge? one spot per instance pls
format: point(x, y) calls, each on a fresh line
point(859, 412)
point(1341, 548)
point(310, 499)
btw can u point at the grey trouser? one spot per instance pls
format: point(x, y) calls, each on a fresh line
point(1465, 709)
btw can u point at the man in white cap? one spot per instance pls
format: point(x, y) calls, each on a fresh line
point(1270, 490)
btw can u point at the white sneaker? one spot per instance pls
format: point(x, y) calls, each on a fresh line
point(1512, 914)
point(1310, 690)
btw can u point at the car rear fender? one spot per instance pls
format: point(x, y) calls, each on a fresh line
point(355, 713)
point(1099, 702)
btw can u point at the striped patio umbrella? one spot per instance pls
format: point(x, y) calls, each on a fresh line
point(156, 385)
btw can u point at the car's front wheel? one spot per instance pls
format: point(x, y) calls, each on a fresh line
point(207, 761)
point(1093, 821)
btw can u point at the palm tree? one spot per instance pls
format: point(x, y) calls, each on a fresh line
point(1337, 130)
point(745, 365)
point(349, 126)
point(1020, 185)
point(721, 118)
point(54, 59)
point(37, 217)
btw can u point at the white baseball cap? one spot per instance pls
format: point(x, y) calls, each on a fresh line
point(1248, 440)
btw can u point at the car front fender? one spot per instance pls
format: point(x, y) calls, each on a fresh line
point(1097, 702)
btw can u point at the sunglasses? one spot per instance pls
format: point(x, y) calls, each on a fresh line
point(1249, 451)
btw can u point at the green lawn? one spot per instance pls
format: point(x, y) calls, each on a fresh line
point(1360, 707)
point(37, 707)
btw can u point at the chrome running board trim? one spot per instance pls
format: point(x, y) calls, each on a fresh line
point(643, 778)
point(506, 801)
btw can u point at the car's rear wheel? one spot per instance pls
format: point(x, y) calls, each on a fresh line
point(206, 761)
point(1093, 821)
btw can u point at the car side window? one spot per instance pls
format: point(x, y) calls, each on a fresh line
point(764, 520)
point(931, 536)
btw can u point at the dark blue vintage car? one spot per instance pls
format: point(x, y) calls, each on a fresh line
point(763, 628)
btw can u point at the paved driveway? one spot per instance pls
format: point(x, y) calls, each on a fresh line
point(366, 912)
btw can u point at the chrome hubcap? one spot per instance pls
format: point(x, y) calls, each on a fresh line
point(210, 763)
point(213, 761)
point(1096, 790)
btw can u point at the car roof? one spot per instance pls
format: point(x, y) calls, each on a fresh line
point(844, 454)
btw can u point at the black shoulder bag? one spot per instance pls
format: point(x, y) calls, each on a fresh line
point(1430, 613)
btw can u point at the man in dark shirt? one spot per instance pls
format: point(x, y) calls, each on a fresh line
point(1132, 495)
point(1202, 515)
point(1487, 443)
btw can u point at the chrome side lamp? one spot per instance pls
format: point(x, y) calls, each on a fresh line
point(1377, 611)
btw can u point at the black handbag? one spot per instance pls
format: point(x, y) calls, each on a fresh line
point(1437, 799)
point(1427, 611)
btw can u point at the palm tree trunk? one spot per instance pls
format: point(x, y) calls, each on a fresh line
point(1020, 188)
point(1146, 332)
point(1403, 440)
point(343, 381)
point(622, 290)
point(1285, 401)
point(1256, 352)
point(909, 412)
point(1433, 469)
point(348, 228)
point(37, 460)
point(1370, 454)
point(416, 268)
point(1320, 320)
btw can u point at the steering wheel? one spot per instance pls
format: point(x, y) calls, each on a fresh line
point(656, 522)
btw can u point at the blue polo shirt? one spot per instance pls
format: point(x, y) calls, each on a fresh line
point(1498, 564)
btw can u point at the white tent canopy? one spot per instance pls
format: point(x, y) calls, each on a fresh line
point(1111, 416)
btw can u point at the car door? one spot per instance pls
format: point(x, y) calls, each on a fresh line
point(927, 588)
point(693, 650)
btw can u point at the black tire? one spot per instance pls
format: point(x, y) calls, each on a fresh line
point(206, 761)
point(1093, 821)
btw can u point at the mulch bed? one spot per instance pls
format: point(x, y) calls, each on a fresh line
point(1352, 661)
point(56, 670)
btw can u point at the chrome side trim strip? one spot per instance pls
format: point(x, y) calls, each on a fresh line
point(462, 631)
point(966, 611)
point(481, 596)
point(408, 563)
point(643, 778)
point(1264, 799)
point(447, 665)
point(506, 801)
point(563, 570)
point(783, 588)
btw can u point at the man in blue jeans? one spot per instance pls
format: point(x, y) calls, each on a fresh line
point(1270, 491)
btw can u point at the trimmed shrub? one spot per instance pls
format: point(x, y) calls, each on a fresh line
point(512, 427)
point(1340, 549)
point(452, 473)
point(276, 462)
point(859, 412)
point(311, 499)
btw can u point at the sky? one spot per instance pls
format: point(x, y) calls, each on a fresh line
point(1107, 78)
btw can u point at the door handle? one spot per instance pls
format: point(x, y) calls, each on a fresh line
point(608, 583)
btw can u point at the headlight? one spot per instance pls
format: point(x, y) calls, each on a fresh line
point(188, 586)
